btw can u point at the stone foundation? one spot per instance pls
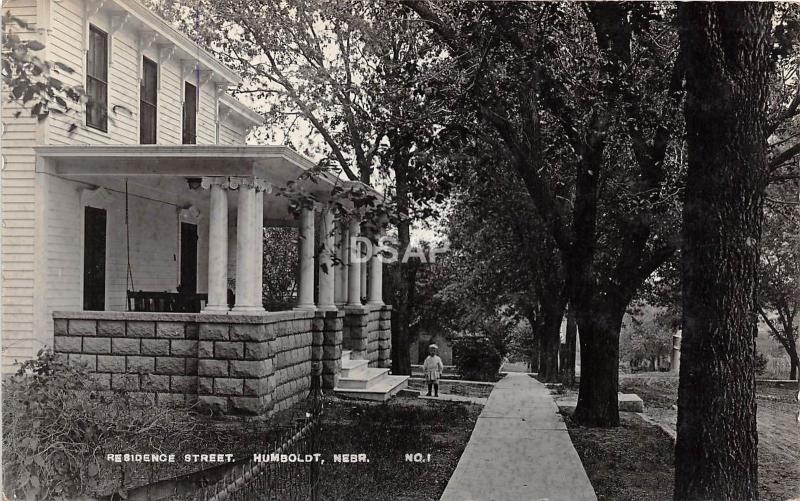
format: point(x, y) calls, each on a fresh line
point(385, 337)
point(237, 364)
point(293, 361)
point(368, 334)
point(355, 335)
point(327, 345)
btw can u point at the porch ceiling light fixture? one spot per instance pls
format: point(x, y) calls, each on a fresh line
point(194, 182)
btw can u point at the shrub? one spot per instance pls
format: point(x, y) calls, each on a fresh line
point(57, 429)
point(477, 358)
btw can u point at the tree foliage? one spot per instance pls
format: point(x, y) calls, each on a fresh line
point(651, 331)
point(31, 81)
point(590, 129)
point(779, 270)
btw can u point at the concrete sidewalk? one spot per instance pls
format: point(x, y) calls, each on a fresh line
point(519, 450)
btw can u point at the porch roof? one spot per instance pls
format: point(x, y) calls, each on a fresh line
point(276, 164)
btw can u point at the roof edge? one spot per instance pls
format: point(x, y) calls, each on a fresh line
point(241, 110)
point(159, 24)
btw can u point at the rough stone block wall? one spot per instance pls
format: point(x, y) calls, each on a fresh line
point(154, 359)
point(356, 331)
point(293, 345)
point(235, 364)
point(373, 331)
point(385, 337)
point(327, 345)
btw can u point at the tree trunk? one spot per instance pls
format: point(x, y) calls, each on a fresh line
point(568, 350)
point(551, 341)
point(404, 277)
point(599, 337)
point(535, 347)
point(794, 359)
point(727, 49)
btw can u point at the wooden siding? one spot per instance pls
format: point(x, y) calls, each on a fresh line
point(40, 259)
point(18, 195)
point(67, 39)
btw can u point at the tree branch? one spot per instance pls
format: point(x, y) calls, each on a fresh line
point(783, 157)
point(792, 110)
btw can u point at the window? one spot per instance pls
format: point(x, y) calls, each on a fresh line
point(97, 79)
point(148, 102)
point(189, 114)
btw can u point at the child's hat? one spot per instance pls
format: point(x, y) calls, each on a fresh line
point(433, 346)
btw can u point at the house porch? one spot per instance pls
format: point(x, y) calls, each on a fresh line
point(220, 348)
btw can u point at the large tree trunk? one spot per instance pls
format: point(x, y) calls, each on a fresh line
point(793, 368)
point(598, 403)
point(567, 353)
point(404, 279)
point(727, 47)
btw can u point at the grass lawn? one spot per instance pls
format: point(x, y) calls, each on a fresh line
point(635, 461)
point(632, 462)
point(386, 432)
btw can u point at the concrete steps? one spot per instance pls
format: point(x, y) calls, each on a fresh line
point(363, 379)
point(352, 368)
point(358, 380)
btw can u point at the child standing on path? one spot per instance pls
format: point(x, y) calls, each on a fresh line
point(433, 368)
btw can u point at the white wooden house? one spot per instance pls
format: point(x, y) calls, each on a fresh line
point(155, 203)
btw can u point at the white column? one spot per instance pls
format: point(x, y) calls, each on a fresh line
point(259, 223)
point(376, 277)
point(354, 267)
point(364, 266)
point(305, 288)
point(341, 269)
point(326, 270)
point(247, 258)
point(217, 245)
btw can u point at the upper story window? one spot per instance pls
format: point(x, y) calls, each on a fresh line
point(189, 114)
point(97, 79)
point(148, 102)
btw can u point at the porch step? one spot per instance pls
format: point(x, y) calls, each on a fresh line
point(353, 369)
point(346, 355)
point(385, 389)
point(365, 378)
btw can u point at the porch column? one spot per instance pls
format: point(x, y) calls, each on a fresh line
point(362, 250)
point(340, 282)
point(354, 268)
point(326, 270)
point(259, 222)
point(305, 293)
point(248, 299)
point(217, 245)
point(376, 276)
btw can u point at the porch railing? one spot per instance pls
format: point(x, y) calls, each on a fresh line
point(166, 302)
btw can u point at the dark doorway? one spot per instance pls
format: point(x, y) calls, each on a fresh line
point(188, 258)
point(94, 259)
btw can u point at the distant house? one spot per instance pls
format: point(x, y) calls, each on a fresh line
point(134, 243)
